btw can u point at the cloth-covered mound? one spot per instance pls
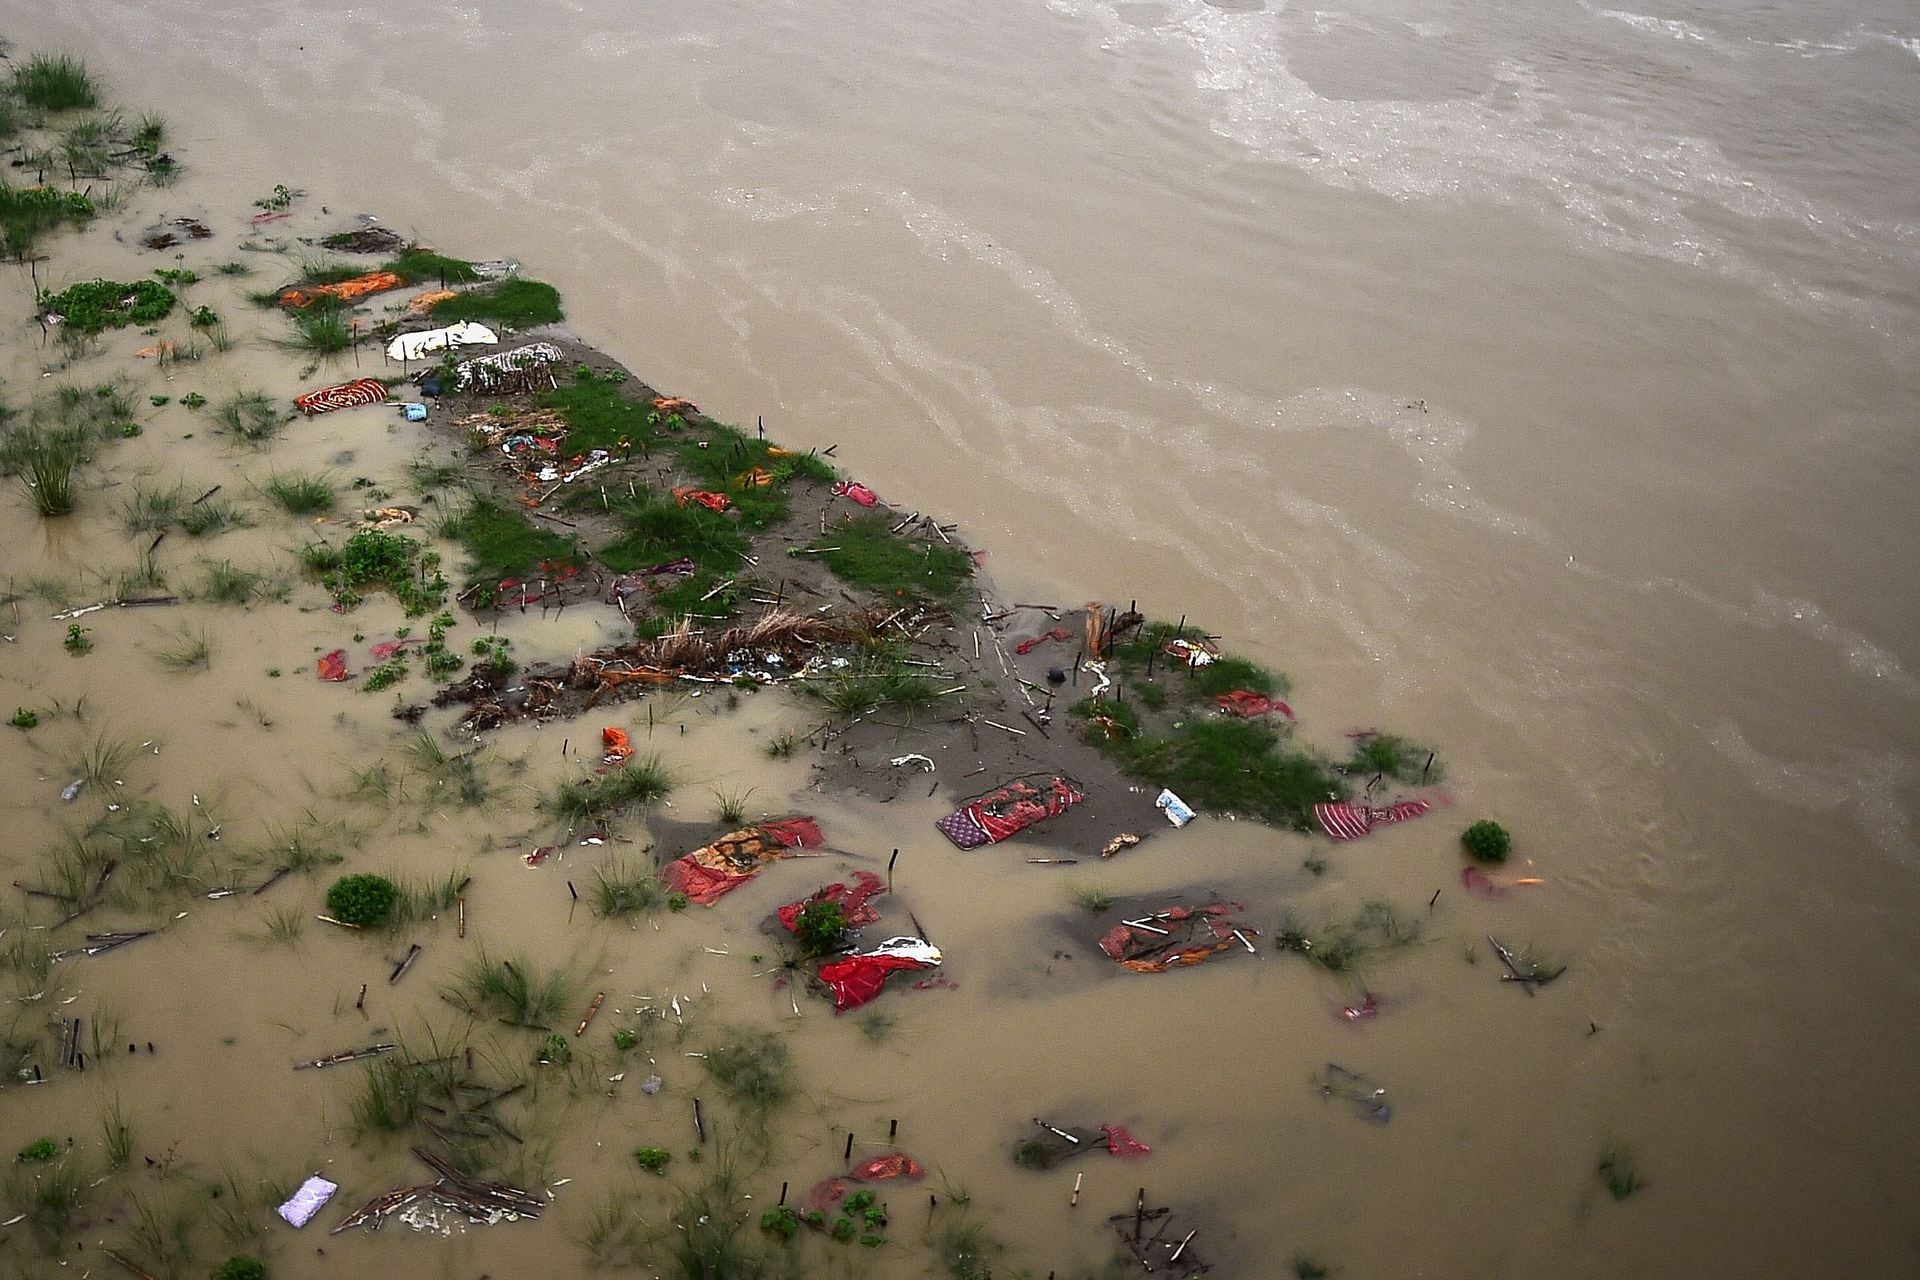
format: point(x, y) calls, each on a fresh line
point(342, 290)
point(854, 902)
point(1010, 809)
point(347, 395)
point(717, 869)
point(1175, 937)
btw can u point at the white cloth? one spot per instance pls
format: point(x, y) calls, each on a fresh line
point(304, 1203)
point(411, 346)
point(908, 949)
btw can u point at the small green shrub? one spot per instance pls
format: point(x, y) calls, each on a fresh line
point(1487, 842)
point(362, 899)
point(654, 1159)
point(44, 1149)
point(94, 305)
point(56, 83)
point(241, 1269)
point(821, 928)
point(24, 719)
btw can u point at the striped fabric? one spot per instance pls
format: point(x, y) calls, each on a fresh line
point(345, 396)
point(1344, 820)
point(487, 373)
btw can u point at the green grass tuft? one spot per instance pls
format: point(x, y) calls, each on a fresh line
point(55, 82)
point(514, 304)
point(638, 782)
point(301, 495)
point(422, 266)
point(866, 553)
point(502, 543)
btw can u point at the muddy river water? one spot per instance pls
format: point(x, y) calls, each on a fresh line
point(1538, 381)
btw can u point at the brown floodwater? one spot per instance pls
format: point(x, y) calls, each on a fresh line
point(1537, 383)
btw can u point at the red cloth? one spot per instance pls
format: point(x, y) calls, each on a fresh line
point(853, 902)
point(1006, 811)
point(345, 396)
point(333, 666)
point(1028, 646)
point(387, 648)
point(1243, 702)
point(857, 979)
point(1123, 1144)
point(857, 492)
point(1344, 820)
point(735, 858)
point(711, 501)
point(888, 1167)
point(619, 746)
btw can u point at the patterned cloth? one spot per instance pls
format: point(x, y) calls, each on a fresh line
point(713, 870)
point(1008, 810)
point(1344, 820)
point(347, 395)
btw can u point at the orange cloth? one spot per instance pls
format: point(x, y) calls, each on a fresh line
point(344, 291)
point(673, 404)
point(619, 746)
point(421, 303)
point(711, 501)
point(754, 478)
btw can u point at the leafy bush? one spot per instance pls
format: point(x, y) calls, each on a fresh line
point(361, 899)
point(241, 1269)
point(1487, 842)
point(653, 1159)
point(94, 305)
point(44, 1149)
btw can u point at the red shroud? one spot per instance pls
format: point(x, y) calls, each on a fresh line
point(857, 979)
point(1344, 820)
point(857, 492)
point(333, 666)
point(1244, 702)
point(345, 396)
point(1123, 1144)
point(711, 501)
point(1009, 810)
point(710, 872)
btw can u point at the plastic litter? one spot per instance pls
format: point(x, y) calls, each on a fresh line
point(414, 411)
point(1176, 809)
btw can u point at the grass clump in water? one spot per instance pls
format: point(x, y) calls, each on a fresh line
point(623, 890)
point(756, 1073)
point(27, 213)
point(501, 543)
point(515, 992)
point(375, 559)
point(301, 495)
point(225, 583)
point(514, 304)
point(45, 460)
point(1093, 901)
point(1391, 756)
point(151, 510)
point(1343, 946)
point(1619, 1172)
point(213, 516)
point(252, 416)
point(322, 329)
point(638, 782)
point(55, 82)
point(865, 552)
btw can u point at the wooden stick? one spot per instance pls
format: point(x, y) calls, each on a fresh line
point(347, 1055)
point(400, 970)
point(592, 1010)
point(1078, 1178)
point(699, 1125)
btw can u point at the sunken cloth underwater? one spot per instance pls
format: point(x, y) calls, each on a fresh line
point(737, 857)
point(1009, 810)
point(486, 371)
point(1344, 820)
point(1177, 936)
point(345, 396)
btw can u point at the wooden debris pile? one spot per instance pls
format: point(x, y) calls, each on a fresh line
point(481, 1201)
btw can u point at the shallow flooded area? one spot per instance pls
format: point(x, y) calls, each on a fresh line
point(1537, 386)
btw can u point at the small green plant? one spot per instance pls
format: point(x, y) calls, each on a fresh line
point(281, 198)
point(783, 746)
point(252, 416)
point(755, 1071)
point(625, 1038)
point(554, 1051)
point(239, 1268)
point(622, 890)
point(46, 459)
point(322, 329)
point(513, 990)
point(301, 495)
point(55, 83)
point(44, 1149)
point(1487, 841)
point(1093, 901)
point(204, 519)
point(677, 901)
point(781, 1221)
point(361, 899)
point(654, 1159)
point(24, 719)
point(1308, 1267)
point(731, 806)
point(640, 781)
point(194, 400)
point(821, 928)
point(1619, 1172)
point(77, 641)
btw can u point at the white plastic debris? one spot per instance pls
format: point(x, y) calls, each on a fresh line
point(1174, 807)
